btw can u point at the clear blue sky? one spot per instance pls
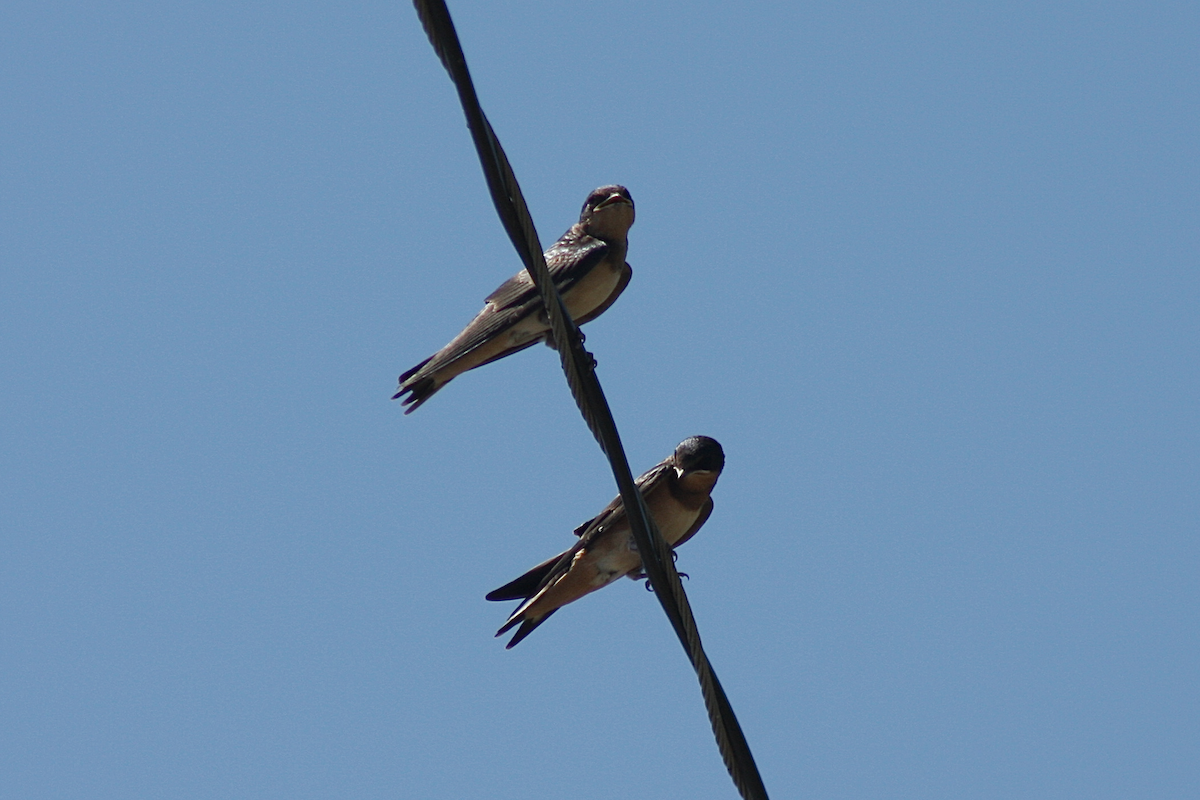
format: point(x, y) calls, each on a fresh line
point(930, 273)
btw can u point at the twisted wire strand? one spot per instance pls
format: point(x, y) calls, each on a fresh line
point(579, 367)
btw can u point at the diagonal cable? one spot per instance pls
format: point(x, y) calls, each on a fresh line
point(579, 367)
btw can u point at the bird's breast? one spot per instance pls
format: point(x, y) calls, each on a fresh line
point(674, 517)
point(593, 289)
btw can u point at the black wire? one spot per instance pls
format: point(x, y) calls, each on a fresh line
point(579, 367)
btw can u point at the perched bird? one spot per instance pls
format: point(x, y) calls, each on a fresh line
point(588, 266)
point(677, 494)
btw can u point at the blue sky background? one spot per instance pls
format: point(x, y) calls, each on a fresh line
point(928, 271)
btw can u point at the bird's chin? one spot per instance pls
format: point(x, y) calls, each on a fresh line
point(700, 480)
point(611, 220)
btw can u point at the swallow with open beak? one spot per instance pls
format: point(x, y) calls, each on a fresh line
point(678, 495)
point(588, 266)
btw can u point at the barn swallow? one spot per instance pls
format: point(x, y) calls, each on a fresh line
point(588, 266)
point(677, 492)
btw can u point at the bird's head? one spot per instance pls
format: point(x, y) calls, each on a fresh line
point(698, 462)
point(607, 213)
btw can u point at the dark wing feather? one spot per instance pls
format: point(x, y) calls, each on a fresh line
point(480, 331)
point(515, 291)
point(568, 260)
point(614, 512)
point(527, 584)
point(517, 298)
point(514, 349)
point(571, 257)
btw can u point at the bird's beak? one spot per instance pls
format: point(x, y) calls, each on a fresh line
point(612, 199)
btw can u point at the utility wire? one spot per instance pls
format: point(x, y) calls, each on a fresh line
point(579, 367)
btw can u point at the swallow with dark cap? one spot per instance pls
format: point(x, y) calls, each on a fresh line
point(677, 492)
point(588, 266)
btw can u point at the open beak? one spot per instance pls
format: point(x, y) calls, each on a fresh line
point(612, 199)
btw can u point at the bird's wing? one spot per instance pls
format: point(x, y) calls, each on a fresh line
point(626, 275)
point(571, 258)
point(614, 512)
point(568, 260)
point(516, 298)
point(526, 585)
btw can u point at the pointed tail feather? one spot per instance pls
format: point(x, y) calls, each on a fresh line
point(404, 376)
point(418, 390)
point(527, 627)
